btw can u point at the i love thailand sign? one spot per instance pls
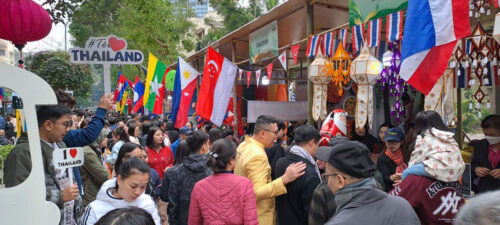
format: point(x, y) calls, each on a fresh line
point(105, 50)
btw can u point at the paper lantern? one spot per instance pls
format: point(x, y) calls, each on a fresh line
point(320, 79)
point(23, 21)
point(365, 71)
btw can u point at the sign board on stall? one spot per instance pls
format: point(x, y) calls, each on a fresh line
point(106, 51)
point(362, 11)
point(264, 43)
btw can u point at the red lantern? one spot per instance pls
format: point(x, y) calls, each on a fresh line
point(23, 21)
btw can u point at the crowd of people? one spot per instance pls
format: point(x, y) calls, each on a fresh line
point(139, 170)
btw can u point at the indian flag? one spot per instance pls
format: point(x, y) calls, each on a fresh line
point(155, 85)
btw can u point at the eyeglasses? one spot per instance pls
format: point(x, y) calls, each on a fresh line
point(276, 132)
point(65, 124)
point(142, 157)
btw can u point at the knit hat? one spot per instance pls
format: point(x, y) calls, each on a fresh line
point(352, 158)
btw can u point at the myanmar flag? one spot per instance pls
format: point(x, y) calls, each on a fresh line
point(155, 85)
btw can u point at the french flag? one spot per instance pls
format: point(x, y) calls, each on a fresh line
point(358, 38)
point(394, 26)
point(431, 32)
point(217, 82)
point(328, 43)
point(313, 45)
point(374, 31)
point(343, 36)
point(184, 86)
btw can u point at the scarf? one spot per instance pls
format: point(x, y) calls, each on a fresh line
point(493, 157)
point(397, 158)
point(346, 194)
point(297, 150)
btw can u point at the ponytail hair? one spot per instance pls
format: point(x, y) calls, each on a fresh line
point(222, 152)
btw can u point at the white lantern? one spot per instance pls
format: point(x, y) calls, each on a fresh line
point(320, 79)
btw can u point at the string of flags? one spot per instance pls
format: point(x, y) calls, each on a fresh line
point(372, 35)
point(282, 58)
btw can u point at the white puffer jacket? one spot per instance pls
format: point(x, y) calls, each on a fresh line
point(106, 202)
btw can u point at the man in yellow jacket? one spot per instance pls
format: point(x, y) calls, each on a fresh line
point(253, 164)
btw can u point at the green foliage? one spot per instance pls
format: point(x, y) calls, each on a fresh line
point(61, 10)
point(470, 117)
point(4, 152)
point(55, 68)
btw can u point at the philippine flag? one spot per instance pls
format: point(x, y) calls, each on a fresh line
point(431, 32)
point(216, 85)
point(184, 86)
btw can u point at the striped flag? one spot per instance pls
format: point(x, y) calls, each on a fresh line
point(328, 43)
point(429, 39)
point(496, 3)
point(374, 31)
point(394, 26)
point(358, 33)
point(343, 36)
point(313, 45)
point(468, 46)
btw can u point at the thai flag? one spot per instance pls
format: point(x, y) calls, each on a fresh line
point(468, 47)
point(394, 26)
point(343, 36)
point(358, 33)
point(429, 39)
point(313, 46)
point(328, 43)
point(1, 95)
point(374, 31)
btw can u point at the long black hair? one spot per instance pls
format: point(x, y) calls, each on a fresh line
point(126, 148)
point(220, 155)
point(429, 119)
point(121, 134)
point(150, 141)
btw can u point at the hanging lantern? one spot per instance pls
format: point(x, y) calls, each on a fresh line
point(365, 71)
point(338, 68)
point(23, 21)
point(320, 80)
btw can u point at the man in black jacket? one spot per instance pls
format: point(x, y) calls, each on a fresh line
point(276, 152)
point(293, 207)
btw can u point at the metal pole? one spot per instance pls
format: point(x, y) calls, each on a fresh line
point(107, 78)
point(310, 30)
point(235, 88)
point(65, 34)
point(459, 117)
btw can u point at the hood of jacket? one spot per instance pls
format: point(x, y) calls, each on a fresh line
point(196, 162)
point(439, 135)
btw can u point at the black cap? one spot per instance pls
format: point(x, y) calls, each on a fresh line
point(323, 152)
point(185, 130)
point(352, 158)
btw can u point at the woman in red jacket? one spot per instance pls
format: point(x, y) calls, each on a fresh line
point(160, 157)
point(223, 198)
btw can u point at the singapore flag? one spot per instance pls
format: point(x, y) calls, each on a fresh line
point(217, 82)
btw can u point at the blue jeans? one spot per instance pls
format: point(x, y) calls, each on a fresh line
point(416, 169)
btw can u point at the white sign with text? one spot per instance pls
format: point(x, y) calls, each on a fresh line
point(67, 157)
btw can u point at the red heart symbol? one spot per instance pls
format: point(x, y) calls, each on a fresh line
point(73, 152)
point(116, 44)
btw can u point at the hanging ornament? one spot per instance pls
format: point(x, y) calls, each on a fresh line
point(365, 70)
point(478, 36)
point(338, 68)
point(470, 106)
point(320, 79)
point(479, 95)
point(488, 105)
